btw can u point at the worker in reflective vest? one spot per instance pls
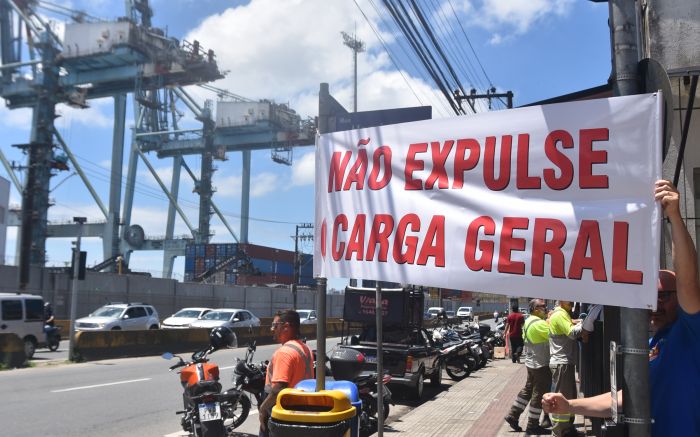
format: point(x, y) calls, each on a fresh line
point(291, 363)
point(539, 377)
point(563, 354)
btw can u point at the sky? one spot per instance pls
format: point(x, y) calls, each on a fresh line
point(282, 50)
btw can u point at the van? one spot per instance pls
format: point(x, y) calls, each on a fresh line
point(23, 315)
point(465, 313)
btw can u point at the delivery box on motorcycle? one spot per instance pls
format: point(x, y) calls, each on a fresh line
point(400, 306)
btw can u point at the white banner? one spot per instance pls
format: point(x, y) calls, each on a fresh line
point(553, 201)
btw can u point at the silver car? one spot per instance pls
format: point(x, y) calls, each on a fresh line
point(307, 317)
point(120, 316)
point(184, 318)
point(228, 317)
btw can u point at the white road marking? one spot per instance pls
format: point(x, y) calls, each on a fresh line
point(100, 385)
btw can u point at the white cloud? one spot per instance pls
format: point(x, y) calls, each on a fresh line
point(263, 183)
point(16, 118)
point(304, 170)
point(511, 17)
point(93, 116)
point(227, 186)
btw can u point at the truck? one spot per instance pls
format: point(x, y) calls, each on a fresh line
point(409, 354)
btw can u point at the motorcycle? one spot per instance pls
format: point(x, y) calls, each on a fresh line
point(249, 377)
point(53, 337)
point(207, 411)
point(454, 353)
point(347, 364)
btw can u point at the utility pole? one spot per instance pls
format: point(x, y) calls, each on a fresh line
point(296, 265)
point(74, 293)
point(490, 95)
point(635, 346)
point(356, 46)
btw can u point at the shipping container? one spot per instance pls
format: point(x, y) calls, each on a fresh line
point(263, 265)
point(231, 278)
point(188, 277)
point(231, 249)
point(210, 250)
point(284, 268)
point(209, 263)
point(189, 251)
point(200, 250)
point(221, 251)
point(269, 253)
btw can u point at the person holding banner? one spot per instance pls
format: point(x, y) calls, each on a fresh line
point(563, 350)
point(539, 377)
point(674, 357)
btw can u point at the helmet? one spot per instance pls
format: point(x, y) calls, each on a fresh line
point(222, 337)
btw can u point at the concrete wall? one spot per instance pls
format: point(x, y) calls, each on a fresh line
point(166, 295)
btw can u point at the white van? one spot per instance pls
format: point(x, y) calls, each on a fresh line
point(23, 315)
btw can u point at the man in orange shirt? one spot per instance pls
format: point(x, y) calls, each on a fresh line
point(291, 363)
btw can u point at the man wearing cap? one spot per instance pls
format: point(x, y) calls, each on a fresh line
point(674, 357)
point(539, 377)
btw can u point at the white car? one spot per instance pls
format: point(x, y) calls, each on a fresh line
point(228, 317)
point(183, 318)
point(23, 315)
point(464, 313)
point(307, 317)
point(120, 316)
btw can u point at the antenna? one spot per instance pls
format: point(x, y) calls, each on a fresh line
point(356, 46)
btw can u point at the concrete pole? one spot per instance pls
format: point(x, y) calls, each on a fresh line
point(634, 322)
point(295, 266)
point(74, 292)
point(245, 196)
point(321, 334)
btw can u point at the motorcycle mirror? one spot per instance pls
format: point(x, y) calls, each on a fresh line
point(167, 356)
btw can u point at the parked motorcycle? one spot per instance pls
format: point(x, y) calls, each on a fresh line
point(208, 412)
point(53, 337)
point(249, 377)
point(347, 364)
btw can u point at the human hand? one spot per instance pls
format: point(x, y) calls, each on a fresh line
point(667, 194)
point(555, 403)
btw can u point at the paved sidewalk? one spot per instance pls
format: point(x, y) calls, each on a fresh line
point(473, 407)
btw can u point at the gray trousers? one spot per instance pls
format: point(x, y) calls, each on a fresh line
point(538, 383)
point(564, 382)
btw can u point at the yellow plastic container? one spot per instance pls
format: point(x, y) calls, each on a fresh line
point(298, 412)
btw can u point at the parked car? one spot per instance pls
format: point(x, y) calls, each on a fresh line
point(229, 317)
point(23, 315)
point(183, 318)
point(450, 314)
point(307, 317)
point(434, 311)
point(465, 313)
point(120, 316)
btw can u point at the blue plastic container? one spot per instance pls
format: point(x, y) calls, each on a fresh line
point(347, 387)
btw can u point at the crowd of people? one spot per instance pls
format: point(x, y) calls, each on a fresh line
point(551, 344)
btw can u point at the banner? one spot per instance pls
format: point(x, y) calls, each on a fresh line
point(553, 201)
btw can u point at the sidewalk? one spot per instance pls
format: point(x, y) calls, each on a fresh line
point(473, 407)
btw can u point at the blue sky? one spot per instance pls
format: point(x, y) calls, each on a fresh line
point(282, 50)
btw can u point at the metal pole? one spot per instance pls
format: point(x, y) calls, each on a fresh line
point(74, 292)
point(321, 334)
point(635, 371)
point(380, 362)
point(295, 273)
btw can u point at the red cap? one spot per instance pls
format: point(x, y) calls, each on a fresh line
point(667, 281)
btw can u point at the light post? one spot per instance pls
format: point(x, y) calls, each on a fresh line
point(74, 294)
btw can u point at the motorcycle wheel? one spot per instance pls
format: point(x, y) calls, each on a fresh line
point(53, 344)
point(236, 415)
point(386, 410)
point(457, 373)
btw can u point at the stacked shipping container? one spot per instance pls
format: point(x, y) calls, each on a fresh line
point(273, 266)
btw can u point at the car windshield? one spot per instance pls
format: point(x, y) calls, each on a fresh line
point(304, 314)
point(108, 312)
point(187, 313)
point(217, 315)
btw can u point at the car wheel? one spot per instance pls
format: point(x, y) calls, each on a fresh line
point(29, 347)
point(153, 327)
point(418, 389)
point(436, 377)
point(116, 328)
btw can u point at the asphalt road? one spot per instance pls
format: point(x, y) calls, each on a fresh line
point(123, 397)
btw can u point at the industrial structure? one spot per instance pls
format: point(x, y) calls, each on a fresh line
point(127, 56)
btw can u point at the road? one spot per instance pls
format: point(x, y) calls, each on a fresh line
point(122, 397)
